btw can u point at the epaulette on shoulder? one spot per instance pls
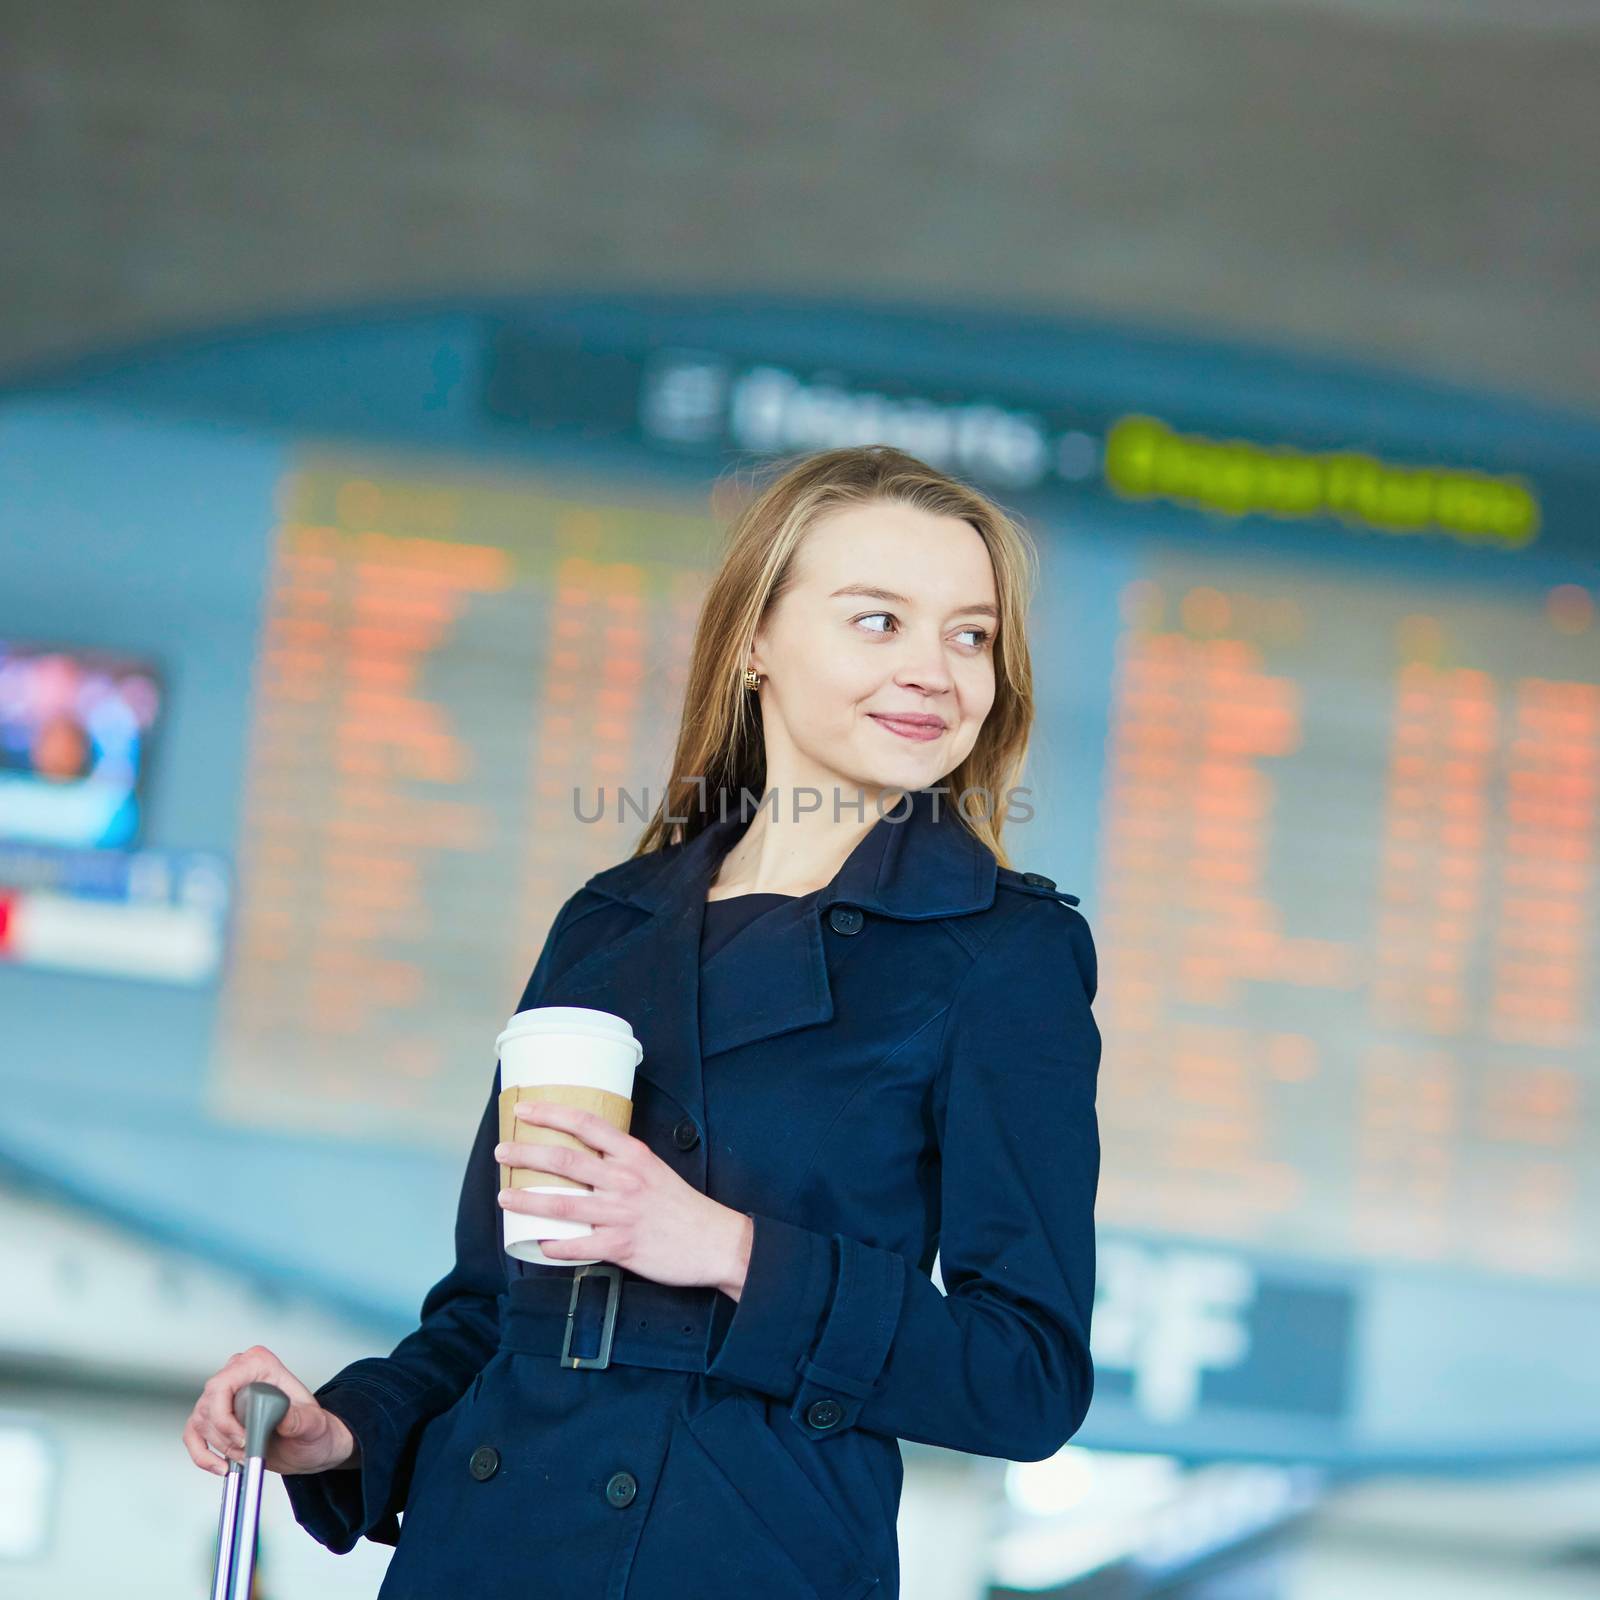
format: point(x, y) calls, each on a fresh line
point(1033, 883)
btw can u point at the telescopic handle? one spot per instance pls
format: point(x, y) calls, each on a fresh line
point(260, 1407)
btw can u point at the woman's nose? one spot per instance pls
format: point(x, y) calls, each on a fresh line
point(923, 665)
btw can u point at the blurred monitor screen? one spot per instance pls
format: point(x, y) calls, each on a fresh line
point(75, 730)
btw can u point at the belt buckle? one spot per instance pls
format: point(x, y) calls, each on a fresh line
point(613, 1274)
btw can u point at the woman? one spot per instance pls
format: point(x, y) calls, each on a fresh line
point(866, 1039)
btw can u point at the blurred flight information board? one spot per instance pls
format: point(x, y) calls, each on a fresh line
point(1346, 916)
point(442, 665)
point(1317, 672)
point(1345, 867)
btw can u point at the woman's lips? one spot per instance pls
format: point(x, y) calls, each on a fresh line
point(919, 728)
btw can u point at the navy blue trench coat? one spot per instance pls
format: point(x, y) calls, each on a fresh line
point(902, 1063)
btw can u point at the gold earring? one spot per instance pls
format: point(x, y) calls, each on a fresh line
point(752, 678)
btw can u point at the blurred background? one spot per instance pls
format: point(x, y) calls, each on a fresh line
point(375, 384)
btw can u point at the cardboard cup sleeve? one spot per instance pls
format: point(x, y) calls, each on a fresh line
point(615, 1108)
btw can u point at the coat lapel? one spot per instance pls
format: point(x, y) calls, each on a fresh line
point(651, 974)
point(767, 983)
point(922, 866)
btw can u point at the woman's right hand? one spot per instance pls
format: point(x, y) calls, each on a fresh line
point(309, 1439)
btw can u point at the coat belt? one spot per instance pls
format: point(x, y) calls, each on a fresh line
point(600, 1314)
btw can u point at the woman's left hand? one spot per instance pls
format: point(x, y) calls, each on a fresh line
point(644, 1216)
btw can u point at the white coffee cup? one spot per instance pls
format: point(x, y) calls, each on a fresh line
point(567, 1046)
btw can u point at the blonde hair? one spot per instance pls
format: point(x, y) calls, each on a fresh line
point(719, 733)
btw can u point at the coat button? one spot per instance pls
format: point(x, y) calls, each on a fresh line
point(485, 1462)
point(824, 1413)
point(621, 1487)
point(686, 1136)
point(1038, 880)
point(846, 919)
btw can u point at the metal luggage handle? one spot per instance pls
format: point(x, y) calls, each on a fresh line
point(260, 1407)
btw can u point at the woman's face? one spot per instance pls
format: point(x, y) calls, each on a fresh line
point(879, 658)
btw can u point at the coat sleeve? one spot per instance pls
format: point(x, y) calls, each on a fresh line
point(999, 1364)
point(386, 1401)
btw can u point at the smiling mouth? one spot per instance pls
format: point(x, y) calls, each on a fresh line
point(919, 728)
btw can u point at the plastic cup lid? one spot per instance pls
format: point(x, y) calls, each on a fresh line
point(568, 1020)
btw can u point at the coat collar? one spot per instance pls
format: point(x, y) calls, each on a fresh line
point(916, 861)
point(925, 865)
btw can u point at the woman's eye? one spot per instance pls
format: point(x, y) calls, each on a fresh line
point(872, 620)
